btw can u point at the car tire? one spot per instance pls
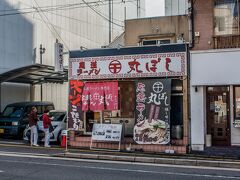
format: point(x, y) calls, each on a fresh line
point(20, 135)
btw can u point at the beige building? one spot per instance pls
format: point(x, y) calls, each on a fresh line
point(156, 30)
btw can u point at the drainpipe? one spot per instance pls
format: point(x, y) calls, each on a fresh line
point(191, 23)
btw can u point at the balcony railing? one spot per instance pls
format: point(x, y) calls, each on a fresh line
point(226, 41)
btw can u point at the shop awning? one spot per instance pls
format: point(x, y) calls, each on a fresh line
point(34, 74)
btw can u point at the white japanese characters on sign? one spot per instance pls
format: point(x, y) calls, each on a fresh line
point(128, 66)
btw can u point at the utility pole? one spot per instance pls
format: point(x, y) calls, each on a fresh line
point(42, 51)
point(110, 17)
point(138, 9)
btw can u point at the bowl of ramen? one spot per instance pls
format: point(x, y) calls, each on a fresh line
point(151, 132)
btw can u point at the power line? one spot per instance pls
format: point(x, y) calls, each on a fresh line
point(51, 25)
point(101, 14)
point(43, 7)
point(66, 6)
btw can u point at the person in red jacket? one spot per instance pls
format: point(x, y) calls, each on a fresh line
point(46, 125)
point(33, 119)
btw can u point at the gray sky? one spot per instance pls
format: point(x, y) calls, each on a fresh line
point(154, 8)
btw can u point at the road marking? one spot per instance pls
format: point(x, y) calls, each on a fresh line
point(11, 143)
point(43, 156)
point(127, 170)
point(28, 146)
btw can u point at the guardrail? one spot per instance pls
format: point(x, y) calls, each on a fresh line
point(226, 41)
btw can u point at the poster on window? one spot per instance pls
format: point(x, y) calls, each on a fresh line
point(75, 119)
point(152, 111)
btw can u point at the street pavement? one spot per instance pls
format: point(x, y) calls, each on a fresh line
point(21, 161)
point(50, 168)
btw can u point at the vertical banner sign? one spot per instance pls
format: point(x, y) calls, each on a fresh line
point(75, 119)
point(152, 111)
point(58, 57)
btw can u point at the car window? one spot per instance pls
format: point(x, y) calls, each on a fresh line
point(50, 107)
point(39, 110)
point(12, 111)
point(57, 116)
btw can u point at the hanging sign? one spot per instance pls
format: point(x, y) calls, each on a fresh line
point(152, 111)
point(58, 57)
point(128, 66)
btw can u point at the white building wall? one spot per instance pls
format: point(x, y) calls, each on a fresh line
point(198, 118)
point(176, 7)
point(83, 25)
point(212, 68)
point(12, 93)
point(16, 50)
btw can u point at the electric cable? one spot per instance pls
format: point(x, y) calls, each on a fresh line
point(51, 25)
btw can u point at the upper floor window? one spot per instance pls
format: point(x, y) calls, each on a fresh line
point(226, 17)
point(155, 42)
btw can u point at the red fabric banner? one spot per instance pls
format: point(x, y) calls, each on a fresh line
point(85, 97)
point(111, 95)
point(96, 96)
point(99, 94)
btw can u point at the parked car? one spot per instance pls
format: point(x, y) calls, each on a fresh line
point(59, 121)
point(14, 118)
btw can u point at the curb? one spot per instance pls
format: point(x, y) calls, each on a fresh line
point(170, 161)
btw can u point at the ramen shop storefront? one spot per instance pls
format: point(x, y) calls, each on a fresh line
point(128, 99)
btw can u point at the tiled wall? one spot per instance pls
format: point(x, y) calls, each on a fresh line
point(84, 142)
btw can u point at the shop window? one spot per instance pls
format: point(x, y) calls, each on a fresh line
point(176, 115)
point(127, 99)
point(90, 118)
point(176, 110)
point(226, 15)
point(237, 103)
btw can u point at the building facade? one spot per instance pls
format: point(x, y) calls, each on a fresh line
point(214, 74)
point(151, 34)
point(176, 7)
point(27, 24)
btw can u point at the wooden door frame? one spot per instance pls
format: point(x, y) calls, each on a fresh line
point(228, 110)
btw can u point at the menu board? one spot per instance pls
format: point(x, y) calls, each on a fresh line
point(107, 132)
